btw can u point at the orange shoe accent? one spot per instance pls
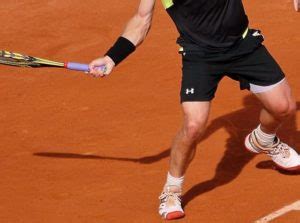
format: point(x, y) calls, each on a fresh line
point(175, 215)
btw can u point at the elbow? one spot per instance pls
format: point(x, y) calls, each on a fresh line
point(145, 19)
point(138, 29)
point(144, 14)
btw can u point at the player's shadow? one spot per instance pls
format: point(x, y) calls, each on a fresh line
point(237, 124)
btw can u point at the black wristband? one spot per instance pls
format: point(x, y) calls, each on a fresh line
point(120, 50)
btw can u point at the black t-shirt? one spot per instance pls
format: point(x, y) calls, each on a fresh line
point(211, 24)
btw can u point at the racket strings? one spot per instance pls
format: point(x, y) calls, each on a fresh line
point(16, 59)
point(18, 63)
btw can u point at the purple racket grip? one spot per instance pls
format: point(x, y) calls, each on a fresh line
point(77, 66)
point(80, 66)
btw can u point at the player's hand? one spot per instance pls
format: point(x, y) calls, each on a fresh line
point(101, 67)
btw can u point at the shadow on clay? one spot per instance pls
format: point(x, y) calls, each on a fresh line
point(237, 124)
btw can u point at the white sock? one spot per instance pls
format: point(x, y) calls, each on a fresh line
point(174, 181)
point(263, 138)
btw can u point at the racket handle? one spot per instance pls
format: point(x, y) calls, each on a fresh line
point(79, 66)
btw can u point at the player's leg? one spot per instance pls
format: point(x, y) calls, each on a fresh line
point(183, 148)
point(258, 71)
point(279, 104)
point(199, 83)
point(182, 153)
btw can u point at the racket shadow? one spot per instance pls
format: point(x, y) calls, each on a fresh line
point(142, 160)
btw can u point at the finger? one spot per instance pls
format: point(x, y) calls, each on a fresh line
point(96, 63)
point(98, 74)
point(101, 69)
point(96, 71)
point(92, 65)
point(108, 70)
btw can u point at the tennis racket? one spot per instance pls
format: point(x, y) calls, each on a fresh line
point(20, 60)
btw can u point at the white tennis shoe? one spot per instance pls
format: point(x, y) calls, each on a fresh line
point(282, 155)
point(170, 204)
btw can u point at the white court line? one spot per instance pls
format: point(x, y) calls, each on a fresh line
point(292, 207)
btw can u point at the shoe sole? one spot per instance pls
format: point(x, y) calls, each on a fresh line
point(290, 169)
point(175, 215)
point(294, 168)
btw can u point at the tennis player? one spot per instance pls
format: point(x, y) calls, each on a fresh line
point(215, 41)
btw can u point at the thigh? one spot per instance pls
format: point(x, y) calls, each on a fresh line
point(277, 98)
point(200, 78)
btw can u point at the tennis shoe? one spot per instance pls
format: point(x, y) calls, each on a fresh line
point(170, 204)
point(283, 155)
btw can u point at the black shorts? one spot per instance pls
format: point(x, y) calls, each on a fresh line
point(248, 62)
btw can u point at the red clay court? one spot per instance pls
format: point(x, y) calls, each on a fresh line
point(84, 150)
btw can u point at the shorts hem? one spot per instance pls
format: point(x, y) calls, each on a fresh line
point(254, 88)
point(277, 80)
point(196, 100)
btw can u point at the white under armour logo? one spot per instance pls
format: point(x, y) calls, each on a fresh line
point(257, 33)
point(190, 91)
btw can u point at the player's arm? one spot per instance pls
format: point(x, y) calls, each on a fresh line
point(135, 32)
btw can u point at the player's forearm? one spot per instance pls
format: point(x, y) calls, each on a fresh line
point(135, 32)
point(137, 28)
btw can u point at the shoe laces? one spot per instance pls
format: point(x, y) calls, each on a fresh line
point(280, 149)
point(166, 195)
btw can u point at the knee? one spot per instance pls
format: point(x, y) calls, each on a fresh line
point(285, 109)
point(194, 128)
